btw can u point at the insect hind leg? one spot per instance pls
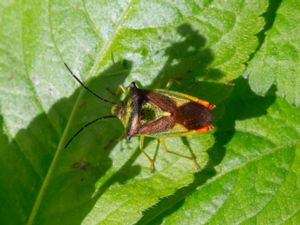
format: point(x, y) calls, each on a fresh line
point(151, 160)
point(191, 157)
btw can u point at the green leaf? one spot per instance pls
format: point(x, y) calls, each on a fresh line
point(277, 61)
point(98, 179)
point(257, 181)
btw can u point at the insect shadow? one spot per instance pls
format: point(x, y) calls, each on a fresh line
point(269, 16)
point(188, 60)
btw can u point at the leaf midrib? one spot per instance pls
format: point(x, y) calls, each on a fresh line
point(99, 58)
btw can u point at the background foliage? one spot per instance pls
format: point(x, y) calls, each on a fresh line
point(241, 55)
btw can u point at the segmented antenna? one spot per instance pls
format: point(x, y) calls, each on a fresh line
point(89, 90)
point(86, 125)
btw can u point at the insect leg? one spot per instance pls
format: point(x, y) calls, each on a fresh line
point(171, 82)
point(179, 82)
point(119, 89)
point(192, 157)
point(123, 89)
point(148, 157)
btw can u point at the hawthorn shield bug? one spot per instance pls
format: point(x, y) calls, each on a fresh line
point(157, 113)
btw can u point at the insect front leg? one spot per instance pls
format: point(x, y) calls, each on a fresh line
point(119, 89)
point(148, 157)
point(179, 82)
point(122, 89)
point(171, 82)
point(192, 157)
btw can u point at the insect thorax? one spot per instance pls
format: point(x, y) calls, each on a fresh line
point(148, 112)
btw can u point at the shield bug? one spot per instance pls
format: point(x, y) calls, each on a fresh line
point(157, 113)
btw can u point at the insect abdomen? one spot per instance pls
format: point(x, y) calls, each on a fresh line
point(193, 116)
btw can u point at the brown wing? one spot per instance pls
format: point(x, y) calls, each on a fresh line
point(162, 124)
point(165, 103)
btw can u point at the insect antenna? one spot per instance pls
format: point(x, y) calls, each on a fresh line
point(89, 90)
point(86, 125)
